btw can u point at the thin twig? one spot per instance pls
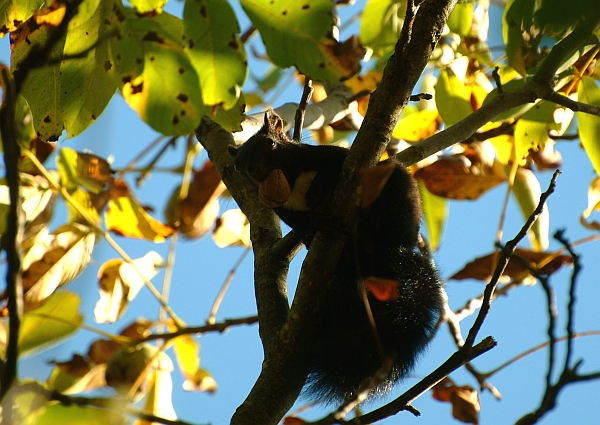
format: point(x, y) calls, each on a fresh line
point(299, 121)
point(224, 287)
point(507, 251)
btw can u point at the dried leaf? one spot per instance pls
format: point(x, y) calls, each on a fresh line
point(374, 180)
point(198, 211)
point(482, 267)
point(76, 375)
point(461, 177)
point(464, 399)
point(56, 259)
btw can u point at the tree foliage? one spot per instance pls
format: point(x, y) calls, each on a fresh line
point(494, 119)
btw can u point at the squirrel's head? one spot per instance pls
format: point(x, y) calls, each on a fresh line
point(257, 157)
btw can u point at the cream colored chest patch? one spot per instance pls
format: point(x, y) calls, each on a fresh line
point(297, 199)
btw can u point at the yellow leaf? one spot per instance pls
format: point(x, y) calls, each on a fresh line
point(159, 399)
point(232, 228)
point(126, 217)
point(418, 126)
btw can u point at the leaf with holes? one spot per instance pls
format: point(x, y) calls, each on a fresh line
point(215, 50)
point(301, 34)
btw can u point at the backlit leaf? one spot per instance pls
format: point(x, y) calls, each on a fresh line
point(215, 50)
point(435, 213)
point(418, 126)
point(453, 98)
point(146, 6)
point(120, 282)
point(589, 125)
point(381, 24)
point(38, 327)
point(126, 217)
point(301, 34)
point(461, 18)
point(531, 131)
point(87, 83)
point(527, 190)
point(56, 259)
point(12, 13)
point(157, 78)
point(77, 415)
point(233, 228)
point(159, 398)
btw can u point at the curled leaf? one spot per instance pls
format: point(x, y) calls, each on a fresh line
point(120, 282)
point(233, 228)
point(126, 217)
point(56, 259)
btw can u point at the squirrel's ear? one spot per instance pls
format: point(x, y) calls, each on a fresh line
point(232, 150)
point(273, 122)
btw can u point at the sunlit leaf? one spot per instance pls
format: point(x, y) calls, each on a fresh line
point(517, 27)
point(159, 398)
point(39, 328)
point(12, 13)
point(461, 177)
point(593, 205)
point(77, 415)
point(301, 34)
point(157, 78)
point(126, 217)
point(127, 364)
point(42, 87)
point(233, 228)
point(482, 268)
point(76, 375)
point(381, 24)
point(87, 83)
point(85, 169)
point(55, 260)
point(589, 125)
point(120, 282)
point(435, 213)
point(453, 98)
point(418, 126)
point(215, 50)
point(527, 190)
point(531, 131)
point(461, 18)
point(146, 6)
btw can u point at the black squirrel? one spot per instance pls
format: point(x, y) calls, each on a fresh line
point(295, 179)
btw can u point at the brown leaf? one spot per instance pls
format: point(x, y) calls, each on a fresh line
point(102, 350)
point(274, 190)
point(196, 213)
point(464, 399)
point(348, 55)
point(77, 366)
point(373, 181)
point(461, 177)
point(55, 260)
point(482, 267)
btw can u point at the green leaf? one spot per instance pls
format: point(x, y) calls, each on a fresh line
point(157, 78)
point(461, 18)
point(511, 85)
point(589, 125)
point(215, 50)
point(531, 131)
point(552, 15)
point(301, 34)
point(147, 6)
point(452, 97)
point(39, 326)
point(87, 83)
point(381, 24)
point(12, 13)
point(77, 415)
point(435, 212)
point(42, 86)
point(517, 21)
point(527, 191)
